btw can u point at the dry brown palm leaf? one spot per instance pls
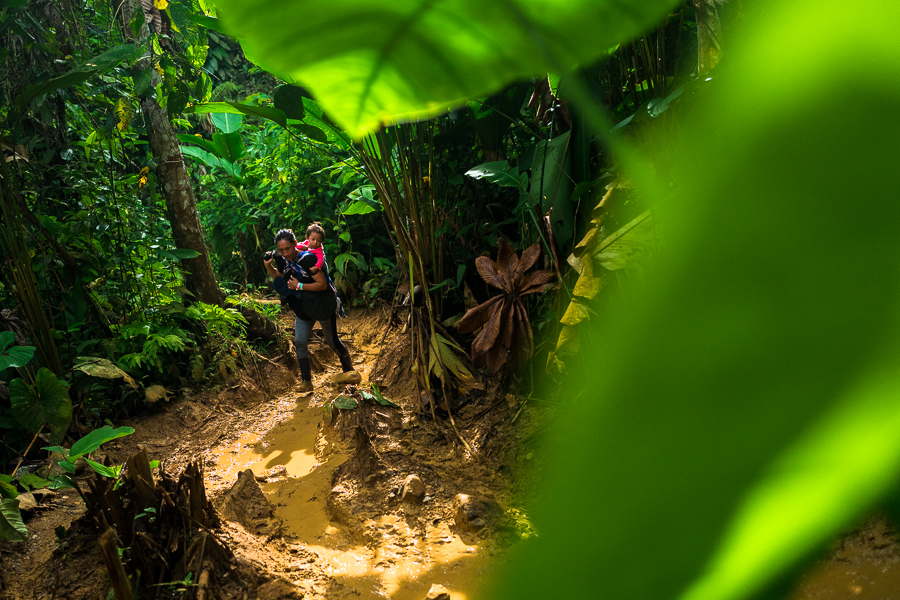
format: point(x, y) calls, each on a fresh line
point(506, 331)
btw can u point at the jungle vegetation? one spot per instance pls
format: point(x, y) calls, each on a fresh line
point(709, 185)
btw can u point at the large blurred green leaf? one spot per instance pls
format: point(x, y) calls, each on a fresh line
point(747, 405)
point(47, 403)
point(370, 61)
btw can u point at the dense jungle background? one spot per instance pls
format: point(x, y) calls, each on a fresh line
point(621, 281)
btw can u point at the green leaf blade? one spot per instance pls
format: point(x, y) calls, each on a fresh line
point(97, 438)
point(227, 122)
point(12, 529)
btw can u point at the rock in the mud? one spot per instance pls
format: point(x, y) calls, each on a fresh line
point(413, 489)
point(27, 502)
point(246, 504)
point(474, 514)
point(339, 505)
point(275, 472)
point(438, 592)
point(278, 589)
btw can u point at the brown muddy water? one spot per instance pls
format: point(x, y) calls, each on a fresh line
point(393, 556)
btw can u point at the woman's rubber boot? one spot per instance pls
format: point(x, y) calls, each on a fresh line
point(305, 376)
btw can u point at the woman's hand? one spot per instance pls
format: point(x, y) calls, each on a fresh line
point(270, 268)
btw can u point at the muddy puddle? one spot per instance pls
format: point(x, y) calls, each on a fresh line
point(398, 552)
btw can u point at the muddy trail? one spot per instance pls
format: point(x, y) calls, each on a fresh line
point(372, 502)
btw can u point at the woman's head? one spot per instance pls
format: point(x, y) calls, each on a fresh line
point(286, 243)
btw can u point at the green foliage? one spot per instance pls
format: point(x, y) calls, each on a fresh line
point(745, 404)
point(97, 438)
point(94, 66)
point(220, 322)
point(406, 60)
point(12, 529)
point(45, 404)
point(103, 368)
point(156, 343)
point(13, 357)
point(721, 397)
point(270, 310)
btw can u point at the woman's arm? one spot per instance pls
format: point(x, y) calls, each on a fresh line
point(319, 284)
point(270, 267)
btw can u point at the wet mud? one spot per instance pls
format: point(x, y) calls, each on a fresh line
point(319, 506)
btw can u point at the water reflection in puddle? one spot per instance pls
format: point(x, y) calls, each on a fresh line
point(397, 563)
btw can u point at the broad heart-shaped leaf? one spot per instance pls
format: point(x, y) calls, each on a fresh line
point(204, 143)
point(229, 146)
point(360, 207)
point(375, 61)
point(45, 404)
point(498, 172)
point(16, 356)
point(745, 409)
point(213, 107)
point(12, 529)
point(97, 438)
point(227, 122)
point(211, 160)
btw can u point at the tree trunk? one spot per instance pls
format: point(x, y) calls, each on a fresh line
point(180, 204)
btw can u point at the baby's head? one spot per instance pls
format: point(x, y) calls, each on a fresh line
point(315, 235)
